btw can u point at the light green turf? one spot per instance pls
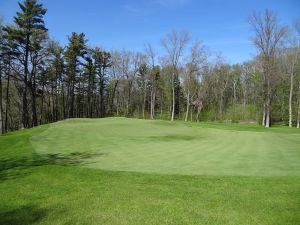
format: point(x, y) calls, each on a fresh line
point(175, 148)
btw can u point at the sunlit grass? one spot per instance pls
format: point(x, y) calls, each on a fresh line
point(49, 175)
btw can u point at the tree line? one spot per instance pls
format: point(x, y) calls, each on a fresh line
point(43, 82)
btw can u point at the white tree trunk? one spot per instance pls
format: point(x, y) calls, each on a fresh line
point(267, 119)
point(290, 101)
point(264, 115)
point(199, 109)
point(298, 119)
point(151, 103)
point(173, 98)
point(268, 111)
point(187, 105)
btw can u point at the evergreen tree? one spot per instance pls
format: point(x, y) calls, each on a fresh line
point(74, 54)
point(29, 22)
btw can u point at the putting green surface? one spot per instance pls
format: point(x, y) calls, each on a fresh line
point(164, 147)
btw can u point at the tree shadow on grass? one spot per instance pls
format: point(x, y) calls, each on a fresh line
point(170, 138)
point(23, 215)
point(11, 168)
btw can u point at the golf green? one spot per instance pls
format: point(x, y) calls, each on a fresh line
point(164, 147)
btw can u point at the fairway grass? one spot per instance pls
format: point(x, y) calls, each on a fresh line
point(133, 172)
point(174, 148)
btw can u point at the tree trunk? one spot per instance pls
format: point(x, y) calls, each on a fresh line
point(42, 104)
point(264, 115)
point(291, 99)
point(268, 111)
point(63, 101)
point(7, 108)
point(152, 103)
point(71, 101)
point(55, 103)
point(173, 97)
point(129, 97)
point(199, 108)
point(89, 98)
point(268, 104)
point(101, 95)
point(234, 100)
point(144, 100)
point(33, 104)
point(298, 119)
point(113, 96)
point(221, 105)
point(25, 119)
point(187, 106)
point(1, 115)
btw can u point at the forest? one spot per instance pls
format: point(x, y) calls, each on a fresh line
point(42, 81)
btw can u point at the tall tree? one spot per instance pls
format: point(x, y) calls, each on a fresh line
point(75, 51)
point(90, 74)
point(191, 72)
point(57, 85)
point(143, 82)
point(297, 28)
point(102, 61)
point(1, 69)
point(174, 43)
point(154, 76)
point(268, 35)
point(29, 21)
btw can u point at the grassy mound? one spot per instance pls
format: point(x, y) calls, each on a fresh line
point(173, 148)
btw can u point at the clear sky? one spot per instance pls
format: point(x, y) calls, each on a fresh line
point(117, 24)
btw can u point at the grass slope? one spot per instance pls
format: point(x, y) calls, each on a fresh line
point(175, 148)
point(59, 188)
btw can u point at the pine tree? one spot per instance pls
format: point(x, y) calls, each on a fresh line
point(29, 22)
point(74, 54)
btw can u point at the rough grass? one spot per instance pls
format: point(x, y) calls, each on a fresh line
point(43, 186)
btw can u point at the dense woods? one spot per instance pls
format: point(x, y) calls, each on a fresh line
point(42, 81)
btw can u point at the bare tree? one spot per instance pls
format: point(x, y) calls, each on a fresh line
point(297, 28)
point(291, 60)
point(267, 38)
point(194, 62)
point(153, 88)
point(174, 43)
point(114, 78)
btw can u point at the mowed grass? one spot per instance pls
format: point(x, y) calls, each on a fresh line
point(175, 148)
point(100, 172)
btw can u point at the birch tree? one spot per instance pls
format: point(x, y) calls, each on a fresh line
point(174, 43)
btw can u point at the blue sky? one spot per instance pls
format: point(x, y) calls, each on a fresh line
point(116, 24)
